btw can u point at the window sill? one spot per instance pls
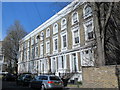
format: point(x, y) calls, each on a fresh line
point(56, 51)
point(48, 53)
point(55, 32)
point(89, 40)
point(87, 16)
point(64, 49)
point(63, 28)
point(47, 36)
point(75, 23)
point(76, 45)
point(41, 55)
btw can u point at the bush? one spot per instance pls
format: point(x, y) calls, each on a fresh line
point(80, 82)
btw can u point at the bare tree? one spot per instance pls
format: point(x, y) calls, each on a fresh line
point(106, 21)
point(11, 44)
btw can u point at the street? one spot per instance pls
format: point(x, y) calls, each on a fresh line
point(8, 85)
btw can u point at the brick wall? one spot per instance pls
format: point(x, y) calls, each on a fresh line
point(102, 77)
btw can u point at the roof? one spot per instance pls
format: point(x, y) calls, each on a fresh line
point(53, 19)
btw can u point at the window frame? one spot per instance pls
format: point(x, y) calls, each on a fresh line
point(42, 36)
point(87, 23)
point(84, 11)
point(73, 36)
point(47, 49)
point(41, 49)
point(90, 54)
point(55, 30)
point(62, 45)
point(77, 18)
point(47, 32)
point(55, 50)
point(63, 25)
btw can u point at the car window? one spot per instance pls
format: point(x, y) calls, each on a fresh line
point(43, 78)
point(20, 77)
point(36, 78)
point(28, 76)
point(54, 78)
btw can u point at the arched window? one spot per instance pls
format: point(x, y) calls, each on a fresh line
point(48, 32)
point(63, 24)
point(74, 18)
point(87, 11)
point(55, 28)
point(42, 35)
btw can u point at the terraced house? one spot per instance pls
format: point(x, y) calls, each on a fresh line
point(62, 45)
point(1, 57)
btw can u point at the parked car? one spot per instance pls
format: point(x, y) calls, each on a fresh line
point(9, 77)
point(47, 82)
point(24, 79)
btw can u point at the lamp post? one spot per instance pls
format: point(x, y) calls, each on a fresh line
point(38, 37)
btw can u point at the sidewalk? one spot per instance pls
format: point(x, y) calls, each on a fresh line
point(74, 86)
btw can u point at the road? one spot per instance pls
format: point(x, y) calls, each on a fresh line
point(7, 85)
point(12, 86)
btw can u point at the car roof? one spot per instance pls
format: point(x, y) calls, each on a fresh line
point(47, 75)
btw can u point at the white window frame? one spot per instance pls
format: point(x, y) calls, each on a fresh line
point(77, 20)
point(28, 44)
point(88, 22)
point(32, 40)
point(47, 32)
point(72, 62)
point(84, 60)
point(55, 29)
point(63, 25)
point(62, 70)
point(73, 37)
point(36, 51)
point(63, 34)
point(84, 12)
point(36, 39)
point(47, 47)
point(42, 35)
point(28, 55)
point(41, 49)
point(55, 37)
point(33, 53)
point(54, 64)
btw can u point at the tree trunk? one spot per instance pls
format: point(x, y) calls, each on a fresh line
point(100, 60)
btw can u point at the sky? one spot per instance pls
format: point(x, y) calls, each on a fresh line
point(30, 14)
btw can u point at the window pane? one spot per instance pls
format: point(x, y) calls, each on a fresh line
point(89, 28)
point(88, 10)
point(90, 35)
point(64, 41)
point(76, 36)
point(55, 44)
point(74, 17)
point(62, 59)
point(36, 51)
point(77, 40)
point(41, 49)
point(48, 33)
point(48, 47)
point(1, 57)
point(54, 78)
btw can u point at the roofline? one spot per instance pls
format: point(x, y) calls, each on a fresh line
point(52, 20)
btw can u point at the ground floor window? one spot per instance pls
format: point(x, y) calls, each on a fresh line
point(73, 62)
point(87, 57)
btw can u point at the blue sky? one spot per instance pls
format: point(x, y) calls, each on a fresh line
point(30, 14)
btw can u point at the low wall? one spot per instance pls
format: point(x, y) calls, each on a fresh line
point(102, 77)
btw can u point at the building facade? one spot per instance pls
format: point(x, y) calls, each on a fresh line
point(61, 45)
point(1, 58)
